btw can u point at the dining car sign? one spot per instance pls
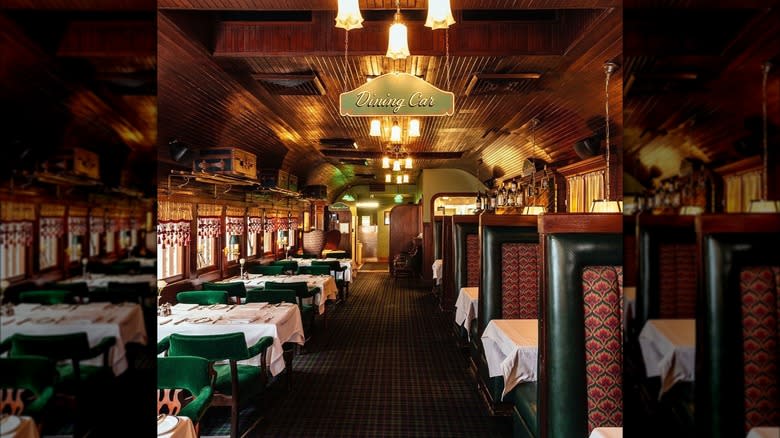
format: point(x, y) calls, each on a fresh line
point(396, 94)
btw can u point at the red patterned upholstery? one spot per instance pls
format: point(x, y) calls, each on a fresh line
point(472, 260)
point(760, 307)
point(602, 289)
point(519, 275)
point(677, 269)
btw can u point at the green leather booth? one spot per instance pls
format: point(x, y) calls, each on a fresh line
point(733, 249)
point(576, 245)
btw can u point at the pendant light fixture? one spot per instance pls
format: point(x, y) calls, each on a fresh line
point(406, 178)
point(764, 205)
point(385, 162)
point(607, 205)
point(408, 162)
point(376, 128)
point(439, 14)
point(414, 128)
point(532, 208)
point(348, 16)
point(388, 178)
point(397, 165)
point(397, 45)
point(395, 133)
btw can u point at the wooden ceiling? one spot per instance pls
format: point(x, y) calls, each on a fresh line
point(693, 83)
point(211, 54)
point(76, 75)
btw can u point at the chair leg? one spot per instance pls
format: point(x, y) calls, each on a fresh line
point(234, 419)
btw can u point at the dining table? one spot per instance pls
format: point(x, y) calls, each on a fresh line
point(326, 283)
point(466, 307)
point(280, 321)
point(669, 350)
point(349, 272)
point(512, 349)
point(123, 321)
point(175, 426)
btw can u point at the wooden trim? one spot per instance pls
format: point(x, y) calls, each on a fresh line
point(452, 194)
point(588, 165)
point(750, 164)
point(466, 219)
point(737, 223)
point(508, 220)
point(665, 220)
point(580, 223)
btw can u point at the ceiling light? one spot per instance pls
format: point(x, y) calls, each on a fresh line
point(376, 128)
point(348, 16)
point(414, 128)
point(439, 14)
point(399, 179)
point(406, 178)
point(607, 205)
point(395, 133)
point(408, 162)
point(367, 204)
point(396, 165)
point(398, 198)
point(385, 162)
point(397, 45)
point(347, 197)
point(388, 178)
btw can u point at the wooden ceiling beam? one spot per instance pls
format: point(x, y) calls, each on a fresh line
point(319, 37)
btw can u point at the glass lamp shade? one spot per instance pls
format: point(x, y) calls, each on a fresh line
point(406, 178)
point(408, 163)
point(398, 198)
point(385, 162)
point(399, 179)
point(395, 134)
point(388, 178)
point(414, 128)
point(376, 128)
point(764, 206)
point(348, 16)
point(605, 206)
point(533, 210)
point(439, 14)
point(234, 240)
point(396, 165)
point(397, 45)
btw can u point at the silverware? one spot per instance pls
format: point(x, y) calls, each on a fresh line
point(23, 321)
point(180, 321)
point(166, 322)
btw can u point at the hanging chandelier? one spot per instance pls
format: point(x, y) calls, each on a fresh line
point(398, 44)
point(439, 14)
point(607, 205)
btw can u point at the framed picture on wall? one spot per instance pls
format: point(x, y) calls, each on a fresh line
point(387, 217)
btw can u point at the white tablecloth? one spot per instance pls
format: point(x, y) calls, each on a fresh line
point(326, 283)
point(100, 281)
point(183, 429)
point(349, 264)
point(123, 321)
point(255, 320)
point(669, 350)
point(437, 270)
point(764, 432)
point(607, 432)
point(466, 307)
point(511, 349)
point(25, 427)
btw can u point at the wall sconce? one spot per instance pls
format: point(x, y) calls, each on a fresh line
point(439, 14)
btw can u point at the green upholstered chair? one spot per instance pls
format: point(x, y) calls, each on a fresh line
point(202, 297)
point(236, 290)
point(314, 270)
point(272, 296)
point(184, 386)
point(123, 268)
point(308, 256)
point(337, 271)
point(234, 385)
point(46, 296)
point(29, 382)
point(302, 291)
point(265, 269)
point(79, 289)
point(288, 266)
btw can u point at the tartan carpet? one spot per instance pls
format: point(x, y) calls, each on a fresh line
point(385, 365)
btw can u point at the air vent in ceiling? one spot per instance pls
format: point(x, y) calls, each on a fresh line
point(344, 143)
point(306, 84)
point(500, 83)
point(354, 161)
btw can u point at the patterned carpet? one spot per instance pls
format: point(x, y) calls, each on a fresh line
point(386, 365)
point(374, 267)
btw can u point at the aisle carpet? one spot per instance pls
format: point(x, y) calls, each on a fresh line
point(386, 365)
point(375, 267)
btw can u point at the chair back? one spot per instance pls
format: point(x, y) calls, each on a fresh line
point(28, 383)
point(301, 288)
point(288, 266)
point(272, 296)
point(177, 374)
point(79, 290)
point(235, 289)
point(265, 269)
point(465, 231)
point(54, 347)
point(124, 268)
point(228, 346)
point(317, 270)
point(135, 292)
point(580, 339)
point(46, 296)
point(202, 297)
